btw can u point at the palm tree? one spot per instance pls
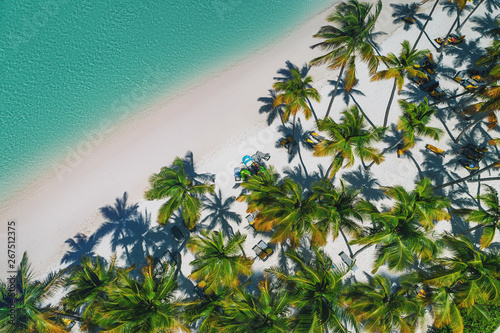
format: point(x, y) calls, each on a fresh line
point(182, 192)
point(403, 234)
point(422, 203)
point(295, 94)
point(315, 291)
point(218, 260)
point(22, 297)
point(380, 307)
point(294, 215)
point(488, 219)
point(471, 277)
point(347, 39)
point(207, 311)
point(143, 305)
point(88, 282)
point(398, 68)
point(348, 139)
point(414, 122)
point(260, 189)
point(444, 309)
point(265, 313)
point(341, 206)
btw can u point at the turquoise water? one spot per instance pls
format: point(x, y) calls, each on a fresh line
point(66, 66)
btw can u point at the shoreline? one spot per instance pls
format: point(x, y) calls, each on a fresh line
point(70, 203)
point(138, 113)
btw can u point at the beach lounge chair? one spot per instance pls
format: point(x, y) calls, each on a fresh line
point(434, 149)
point(264, 156)
point(316, 136)
point(471, 165)
point(179, 236)
point(348, 261)
point(409, 20)
point(247, 160)
point(285, 142)
point(262, 250)
point(310, 142)
point(427, 65)
point(482, 149)
point(437, 93)
point(455, 39)
point(251, 218)
point(237, 174)
point(430, 85)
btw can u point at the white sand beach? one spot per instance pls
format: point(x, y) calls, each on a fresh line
point(218, 120)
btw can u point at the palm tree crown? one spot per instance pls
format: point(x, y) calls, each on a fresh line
point(488, 219)
point(348, 139)
point(382, 308)
point(315, 290)
point(218, 260)
point(399, 67)
point(347, 39)
point(414, 122)
point(27, 297)
point(182, 192)
point(143, 305)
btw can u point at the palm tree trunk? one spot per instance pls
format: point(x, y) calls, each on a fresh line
point(328, 171)
point(314, 113)
point(335, 91)
point(471, 125)
point(448, 98)
point(492, 165)
point(445, 40)
point(483, 179)
point(290, 148)
point(390, 102)
point(360, 250)
point(425, 25)
point(346, 243)
point(477, 227)
point(468, 16)
point(383, 151)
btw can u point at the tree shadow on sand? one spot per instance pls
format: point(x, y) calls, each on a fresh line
point(268, 107)
point(363, 180)
point(296, 151)
point(402, 11)
point(220, 213)
point(190, 172)
point(484, 23)
point(80, 246)
point(119, 217)
point(465, 54)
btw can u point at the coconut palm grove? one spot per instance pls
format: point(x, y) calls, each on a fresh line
point(440, 280)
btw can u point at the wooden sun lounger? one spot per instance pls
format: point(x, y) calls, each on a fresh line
point(348, 261)
point(264, 156)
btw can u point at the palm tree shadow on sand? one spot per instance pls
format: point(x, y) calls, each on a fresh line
point(80, 246)
point(402, 11)
point(190, 172)
point(484, 23)
point(273, 112)
point(296, 151)
point(363, 180)
point(220, 213)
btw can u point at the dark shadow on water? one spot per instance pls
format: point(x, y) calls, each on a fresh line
point(219, 213)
